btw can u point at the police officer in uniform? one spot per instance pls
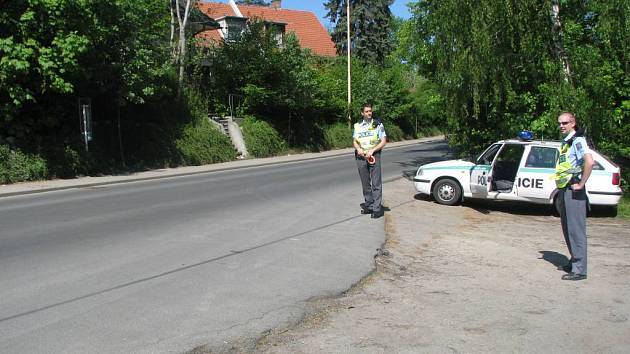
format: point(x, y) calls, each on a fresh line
point(572, 171)
point(369, 139)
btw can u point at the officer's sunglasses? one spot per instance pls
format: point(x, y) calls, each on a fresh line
point(564, 123)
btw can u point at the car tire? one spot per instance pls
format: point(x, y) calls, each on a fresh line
point(447, 192)
point(605, 211)
point(611, 212)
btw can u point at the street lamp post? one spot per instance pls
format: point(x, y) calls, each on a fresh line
point(349, 65)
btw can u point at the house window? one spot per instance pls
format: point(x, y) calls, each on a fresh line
point(278, 30)
point(234, 31)
point(232, 27)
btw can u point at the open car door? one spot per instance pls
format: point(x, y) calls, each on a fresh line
point(480, 174)
point(505, 168)
point(533, 178)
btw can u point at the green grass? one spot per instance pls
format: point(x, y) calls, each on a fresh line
point(623, 209)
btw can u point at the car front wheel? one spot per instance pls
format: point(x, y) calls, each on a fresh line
point(447, 192)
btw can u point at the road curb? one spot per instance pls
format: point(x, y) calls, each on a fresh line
point(88, 182)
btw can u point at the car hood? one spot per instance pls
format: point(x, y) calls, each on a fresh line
point(450, 164)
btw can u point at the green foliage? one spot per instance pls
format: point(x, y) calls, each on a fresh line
point(338, 136)
point(261, 139)
point(70, 162)
point(623, 209)
point(398, 95)
point(299, 94)
point(498, 67)
point(369, 28)
point(116, 54)
point(39, 50)
point(427, 108)
point(394, 133)
point(406, 50)
point(201, 143)
point(428, 132)
point(278, 85)
point(54, 52)
point(16, 166)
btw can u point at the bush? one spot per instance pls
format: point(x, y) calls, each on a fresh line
point(394, 133)
point(428, 131)
point(623, 208)
point(69, 162)
point(338, 136)
point(16, 166)
point(201, 143)
point(261, 138)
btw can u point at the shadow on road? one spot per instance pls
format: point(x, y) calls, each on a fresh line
point(554, 258)
point(517, 208)
point(488, 206)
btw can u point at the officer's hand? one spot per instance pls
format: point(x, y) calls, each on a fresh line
point(369, 153)
point(577, 186)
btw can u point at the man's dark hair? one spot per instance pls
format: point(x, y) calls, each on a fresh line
point(365, 105)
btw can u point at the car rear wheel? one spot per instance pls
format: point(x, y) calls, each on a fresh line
point(447, 192)
point(606, 211)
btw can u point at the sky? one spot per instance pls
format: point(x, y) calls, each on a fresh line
point(399, 8)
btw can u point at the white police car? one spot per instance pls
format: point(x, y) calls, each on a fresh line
point(517, 170)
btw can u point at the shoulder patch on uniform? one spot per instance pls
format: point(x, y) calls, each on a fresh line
point(578, 146)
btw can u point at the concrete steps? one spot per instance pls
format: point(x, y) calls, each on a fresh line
point(229, 127)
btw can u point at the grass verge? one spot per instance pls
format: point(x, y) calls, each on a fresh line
point(623, 209)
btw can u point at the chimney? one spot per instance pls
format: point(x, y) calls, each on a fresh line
point(234, 7)
point(276, 4)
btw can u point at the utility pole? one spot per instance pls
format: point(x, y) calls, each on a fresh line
point(349, 65)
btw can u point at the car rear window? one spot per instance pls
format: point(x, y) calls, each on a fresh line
point(597, 166)
point(607, 160)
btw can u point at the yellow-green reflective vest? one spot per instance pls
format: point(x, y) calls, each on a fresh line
point(564, 170)
point(367, 136)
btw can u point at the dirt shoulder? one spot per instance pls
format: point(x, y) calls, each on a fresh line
point(475, 278)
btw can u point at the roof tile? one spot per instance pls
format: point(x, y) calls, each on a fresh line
point(309, 31)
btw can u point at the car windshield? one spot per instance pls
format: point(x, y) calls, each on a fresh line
point(488, 156)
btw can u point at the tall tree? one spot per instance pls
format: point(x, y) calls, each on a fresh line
point(55, 51)
point(40, 47)
point(558, 38)
point(180, 14)
point(503, 66)
point(370, 34)
point(489, 59)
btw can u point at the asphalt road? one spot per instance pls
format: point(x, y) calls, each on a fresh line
point(173, 264)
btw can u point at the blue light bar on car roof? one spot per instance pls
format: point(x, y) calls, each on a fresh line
point(525, 135)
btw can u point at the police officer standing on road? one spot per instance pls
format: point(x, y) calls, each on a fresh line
point(369, 139)
point(572, 171)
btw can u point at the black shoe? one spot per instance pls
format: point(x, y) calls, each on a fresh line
point(566, 268)
point(377, 214)
point(366, 211)
point(574, 276)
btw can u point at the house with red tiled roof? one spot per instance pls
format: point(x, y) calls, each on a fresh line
point(233, 19)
